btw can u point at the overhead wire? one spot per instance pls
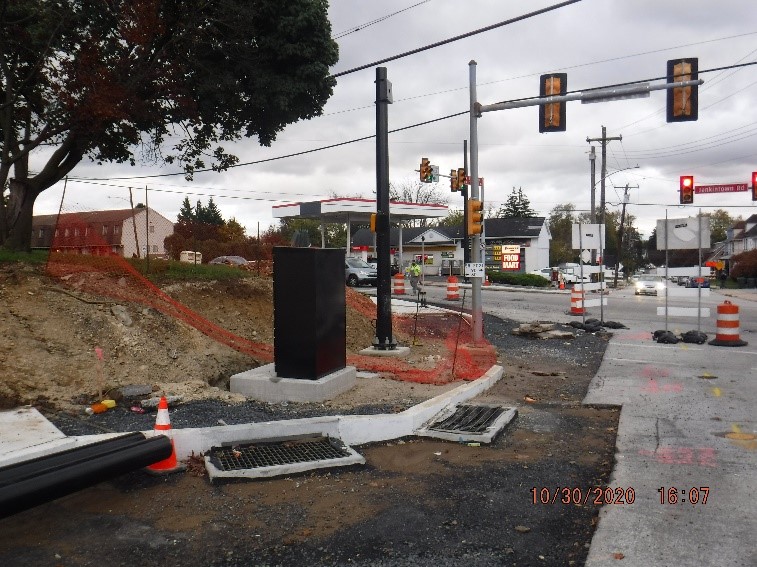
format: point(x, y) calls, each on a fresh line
point(361, 27)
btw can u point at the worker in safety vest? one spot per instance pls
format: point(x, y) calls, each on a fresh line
point(414, 271)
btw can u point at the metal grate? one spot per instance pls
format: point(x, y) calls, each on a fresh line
point(269, 454)
point(469, 419)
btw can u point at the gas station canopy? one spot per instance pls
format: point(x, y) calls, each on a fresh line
point(345, 210)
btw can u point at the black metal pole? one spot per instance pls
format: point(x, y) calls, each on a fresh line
point(384, 339)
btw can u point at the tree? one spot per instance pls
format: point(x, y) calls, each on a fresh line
point(720, 222)
point(454, 219)
point(186, 213)
point(560, 222)
point(172, 78)
point(517, 205)
point(417, 192)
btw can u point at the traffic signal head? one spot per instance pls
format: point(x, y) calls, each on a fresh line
point(475, 217)
point(461, 177)
point(552, 115)
point(686, 188)
point(683, 102)
point(754, 186)
point(453, 184)
point(373, 222)
point(425, 170)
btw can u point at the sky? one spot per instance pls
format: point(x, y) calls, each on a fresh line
point(596, 42)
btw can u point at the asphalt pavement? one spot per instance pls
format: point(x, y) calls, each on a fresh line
point(684, 484)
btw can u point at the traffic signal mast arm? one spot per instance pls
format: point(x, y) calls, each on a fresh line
point(618, 92)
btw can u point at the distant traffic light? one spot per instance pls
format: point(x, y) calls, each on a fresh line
point(683, 102)
point(475, 216)
point(373, 222)
point(461, 177)
point(425, 170)
point(453, 184)
point(754, 186)
point(552, 115)
point(686, 188)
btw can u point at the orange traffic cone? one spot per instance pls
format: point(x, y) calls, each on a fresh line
point(163, 427)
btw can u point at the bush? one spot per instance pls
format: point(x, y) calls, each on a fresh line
point(517, 279)
point(744, 265)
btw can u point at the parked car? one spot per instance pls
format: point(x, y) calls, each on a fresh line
point(359, 272)
point(649, 285)
point(703, 282)
point(229, 261)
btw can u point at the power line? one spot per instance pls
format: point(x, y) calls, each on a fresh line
point(371, 136)
point(361, 27)
point(457, 38)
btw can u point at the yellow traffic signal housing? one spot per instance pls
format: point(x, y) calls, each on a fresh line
point(683, 102)
point(453, 183)
point(475, 217)
point(754, 186)
point(461, 177)
point(552, 115)
point(373, 222)
point(425, 170)
point(686, 195)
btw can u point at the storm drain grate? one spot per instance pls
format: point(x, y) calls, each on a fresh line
point(469, 419)
point(468, 422)
point(258, 455)
point(279, 457)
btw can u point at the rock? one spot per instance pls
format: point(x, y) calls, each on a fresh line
point(522, 529)
point(120, 312)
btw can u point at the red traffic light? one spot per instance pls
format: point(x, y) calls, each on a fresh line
point(686, 190)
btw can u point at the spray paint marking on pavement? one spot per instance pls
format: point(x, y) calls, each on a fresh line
point(654, 388)
point(742, 439)
point(717, 392)
point(701, 456)
point(653, 372)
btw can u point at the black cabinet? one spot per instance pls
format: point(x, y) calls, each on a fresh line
point(309, 312)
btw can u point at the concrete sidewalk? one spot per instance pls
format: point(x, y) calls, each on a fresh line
point(686, 432)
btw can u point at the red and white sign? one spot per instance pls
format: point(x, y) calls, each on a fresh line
point(727, 188)
point(511, 258)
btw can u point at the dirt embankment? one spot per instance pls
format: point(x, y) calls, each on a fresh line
point(63, 344)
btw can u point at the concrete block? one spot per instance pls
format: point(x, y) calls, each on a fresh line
point(263, 384)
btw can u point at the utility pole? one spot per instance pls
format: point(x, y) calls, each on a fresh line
point(477, 314)
point(620, 231)
point(464, 191)
point(593, 161)
point(603, 140)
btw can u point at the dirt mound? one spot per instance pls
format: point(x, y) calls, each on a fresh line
point(79, 333)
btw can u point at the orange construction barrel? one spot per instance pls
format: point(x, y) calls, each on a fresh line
point(727, 332)
point(453, 289)
point(399, 284)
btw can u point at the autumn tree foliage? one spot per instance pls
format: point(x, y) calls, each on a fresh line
point(167, 81)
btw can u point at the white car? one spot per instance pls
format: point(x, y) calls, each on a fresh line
point(649, 285)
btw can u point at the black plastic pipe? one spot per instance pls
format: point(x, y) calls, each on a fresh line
point(34, 482)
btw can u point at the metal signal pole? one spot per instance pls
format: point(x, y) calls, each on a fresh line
point(476, 304)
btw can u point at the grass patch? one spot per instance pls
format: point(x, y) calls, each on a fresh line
point(36, 257)
point(161, 271)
